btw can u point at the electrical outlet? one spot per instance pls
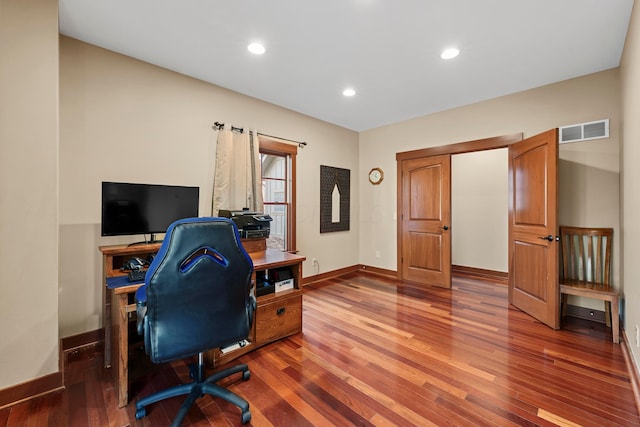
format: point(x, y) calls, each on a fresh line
point(637, 336)
point(314, 261)
point(377, 254)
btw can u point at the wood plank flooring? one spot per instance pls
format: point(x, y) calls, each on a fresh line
point(377, 352)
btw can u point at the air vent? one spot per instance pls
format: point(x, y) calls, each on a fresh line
point(584, 131)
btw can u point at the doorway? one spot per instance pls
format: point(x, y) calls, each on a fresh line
point(480, 212)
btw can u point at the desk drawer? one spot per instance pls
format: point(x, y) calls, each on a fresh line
point(279, 319)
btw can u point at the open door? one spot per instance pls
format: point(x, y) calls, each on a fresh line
point(425, 255)
point(533, 225)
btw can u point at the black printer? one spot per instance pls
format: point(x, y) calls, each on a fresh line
point(250, 224)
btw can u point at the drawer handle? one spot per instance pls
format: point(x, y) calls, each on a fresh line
point(280, 311)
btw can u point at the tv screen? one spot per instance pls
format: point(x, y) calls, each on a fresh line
point(145, 208)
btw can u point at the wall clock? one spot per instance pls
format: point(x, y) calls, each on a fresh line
point(376, 176)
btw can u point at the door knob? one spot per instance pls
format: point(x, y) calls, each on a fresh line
point(549, 238)
point(446, 227)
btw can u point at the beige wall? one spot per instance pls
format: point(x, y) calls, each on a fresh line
point(28, 190)
point(125, 120)
point(588, 171)
point(630, 157)
point(573, 101)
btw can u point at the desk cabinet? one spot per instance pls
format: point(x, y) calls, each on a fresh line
point(278, 314)
point(279, 318)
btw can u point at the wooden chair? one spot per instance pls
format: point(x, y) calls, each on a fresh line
point(586, 270)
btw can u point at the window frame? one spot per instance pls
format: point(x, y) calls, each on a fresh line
point(290, 151)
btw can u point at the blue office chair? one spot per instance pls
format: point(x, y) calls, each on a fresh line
point(196, 297)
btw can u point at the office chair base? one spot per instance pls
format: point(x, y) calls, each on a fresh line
point(197, 389)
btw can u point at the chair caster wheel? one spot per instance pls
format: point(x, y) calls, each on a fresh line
point(141, 413)
point(246, 375)
point(246, 417)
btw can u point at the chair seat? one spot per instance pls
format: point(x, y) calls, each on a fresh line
point(595, 290)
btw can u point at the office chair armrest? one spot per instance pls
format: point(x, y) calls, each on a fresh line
point(141, 308)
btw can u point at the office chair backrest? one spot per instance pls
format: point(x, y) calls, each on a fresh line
point(198, 290)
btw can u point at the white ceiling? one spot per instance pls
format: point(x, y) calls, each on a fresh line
point(388, 51)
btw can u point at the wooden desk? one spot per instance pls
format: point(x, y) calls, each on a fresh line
point(278, 315)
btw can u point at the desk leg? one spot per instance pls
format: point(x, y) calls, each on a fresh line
point(106, 323)
point(120, 343)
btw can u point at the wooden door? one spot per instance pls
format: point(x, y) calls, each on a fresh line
point(425, 255)
point(533, 225)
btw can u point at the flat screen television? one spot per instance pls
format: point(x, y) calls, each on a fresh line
point(129, 208)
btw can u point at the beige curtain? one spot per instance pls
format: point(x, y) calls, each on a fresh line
point(237, 181)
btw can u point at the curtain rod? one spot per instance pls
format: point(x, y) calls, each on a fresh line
point(220, 126)
point(300, 143)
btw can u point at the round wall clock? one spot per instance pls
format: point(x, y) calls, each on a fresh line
point(376, 176)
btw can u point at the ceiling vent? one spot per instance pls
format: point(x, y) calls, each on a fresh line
point(584, 131)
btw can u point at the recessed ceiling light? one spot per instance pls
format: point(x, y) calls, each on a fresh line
point(256, 48)
point(450, 53)
point(349, 92)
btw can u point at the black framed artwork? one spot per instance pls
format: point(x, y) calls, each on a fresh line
point(335, 189)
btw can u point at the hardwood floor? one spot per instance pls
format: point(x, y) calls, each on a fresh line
point(374, 353)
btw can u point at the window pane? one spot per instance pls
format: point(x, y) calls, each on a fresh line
point(278, 232)
point(273, 166)
point(273, 191)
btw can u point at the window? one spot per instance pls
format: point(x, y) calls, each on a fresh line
point(278, 164)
